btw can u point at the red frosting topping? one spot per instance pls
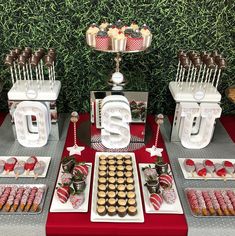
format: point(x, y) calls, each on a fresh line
point(209, 163)
point(189, 162)
point(221, 172)
point(228, 164)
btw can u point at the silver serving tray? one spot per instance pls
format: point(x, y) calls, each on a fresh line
point(203, 189)
point(19, 212)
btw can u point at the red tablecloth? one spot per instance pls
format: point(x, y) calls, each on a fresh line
point(80, 224)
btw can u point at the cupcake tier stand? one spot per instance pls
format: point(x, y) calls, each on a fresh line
point(117, 79)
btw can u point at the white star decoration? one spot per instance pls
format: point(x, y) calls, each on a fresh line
point(154, 151)
point(75, 150)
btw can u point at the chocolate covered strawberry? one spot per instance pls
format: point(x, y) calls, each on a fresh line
point(77, 200)
point(156, 200)
point(63, 193)
point(81, 168)
point(165, 180)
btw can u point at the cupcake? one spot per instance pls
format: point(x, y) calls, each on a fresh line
point(120, 174)
point(113, 31)
point(128, 162)
point(111, 194)
point(102, 40)
point(111, 187)
point(119, 24)
point(121, 195)
point(128, 31)
point(121, 187)
point(120, 162)
point(120, 168)
point(119, 157)
point(101, 210)
point(128, 174)
point(112, 168)
point(102, 180)
point(121, 202)
point(130, 181)
point(102, 157)
point(129, 168)
point(134, 26)
point(111, 173)
point(131, 195)
point(102, 174)
point(131, 202)
point(121, 211)
point(135, 41)
point(111, 180)
point(111, 162)
point(120, 181)
point(111, 157)
point(147, 36)
point(119, 42)
point(102, 168)
point(101, 194)
point(102, 187)
point(91, 34)
point(103, 162)
point(130, 187)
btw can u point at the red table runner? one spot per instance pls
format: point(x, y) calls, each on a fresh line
point(80, 224)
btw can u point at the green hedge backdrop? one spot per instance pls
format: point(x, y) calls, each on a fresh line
point(176, 24)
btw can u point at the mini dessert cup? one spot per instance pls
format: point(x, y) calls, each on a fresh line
point(147, 36)
point(119, 42)
point(91, 34)
point(102, 40)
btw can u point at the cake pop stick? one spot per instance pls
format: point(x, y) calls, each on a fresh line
point(39, 169)
point(31, 199)
point(209, 165)
point(11, 198)
point(9, 62)
point(10, 164)
point(228, 167)
point(37, 200)
point(220, 171)
point(18, 197)
point(189, 166)
point(14, 56)
point(19, 168)
point(201, 170)
point(4, 196)
point(179, 65)
point(221, 66)
point(30, 163)
point(24, 198)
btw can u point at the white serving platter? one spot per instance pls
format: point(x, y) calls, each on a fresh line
point(95, 217)
point(208, 175)
point(18, 211)
point(175, 208)
point(57, 206)
point(31, 173)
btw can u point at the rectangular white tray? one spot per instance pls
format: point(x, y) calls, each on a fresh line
point(95, 217)
point(175, 208)
point(57, 206)
point(31, 174)
point(18, 212)
point(208, 176)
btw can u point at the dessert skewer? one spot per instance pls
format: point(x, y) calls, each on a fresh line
point(24, 198)
point(193, 201)
point(208, 202)
point(37, 199)
point(11, 198)
point(231, 196)
point(228, 202)
point(221, 202)
point(215, 203)
point(201, 203)
point(31, 198)
point(4, 196)
point(18, 197)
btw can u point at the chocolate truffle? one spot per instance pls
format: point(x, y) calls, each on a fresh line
point(111, 187)
point(121, 202)
point(121, 187)
point(102, 187)
point(130, 195)
point(121, 195)
point(132, 211)
point(131, 202)
point(101, 194)
point(121, 211)
point(102, 174)
point(101, 202)
point(111, 210)
point(102, 180)
point(111, 194)
point(130, 187)
point(111, 202)
point(101, 210)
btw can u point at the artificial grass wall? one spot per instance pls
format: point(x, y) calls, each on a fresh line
point(176, 24)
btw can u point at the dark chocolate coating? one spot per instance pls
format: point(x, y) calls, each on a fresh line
point(210, 63)
point(52, 55)
point(28, 50)
point(34, 60)
point(197, 62)
point(48, 61)
point(205, 58)
point(22, 60)
point(26, 54)
point(222, 63)
point(14, 55)
point(184, 62)
point(191, 54)
point(8, 60)
point(217, 59)
point(51, 50)
point(215, 53)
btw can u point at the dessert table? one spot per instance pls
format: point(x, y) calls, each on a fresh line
point(80, 224)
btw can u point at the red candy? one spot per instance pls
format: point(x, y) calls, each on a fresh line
point(156, 200)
